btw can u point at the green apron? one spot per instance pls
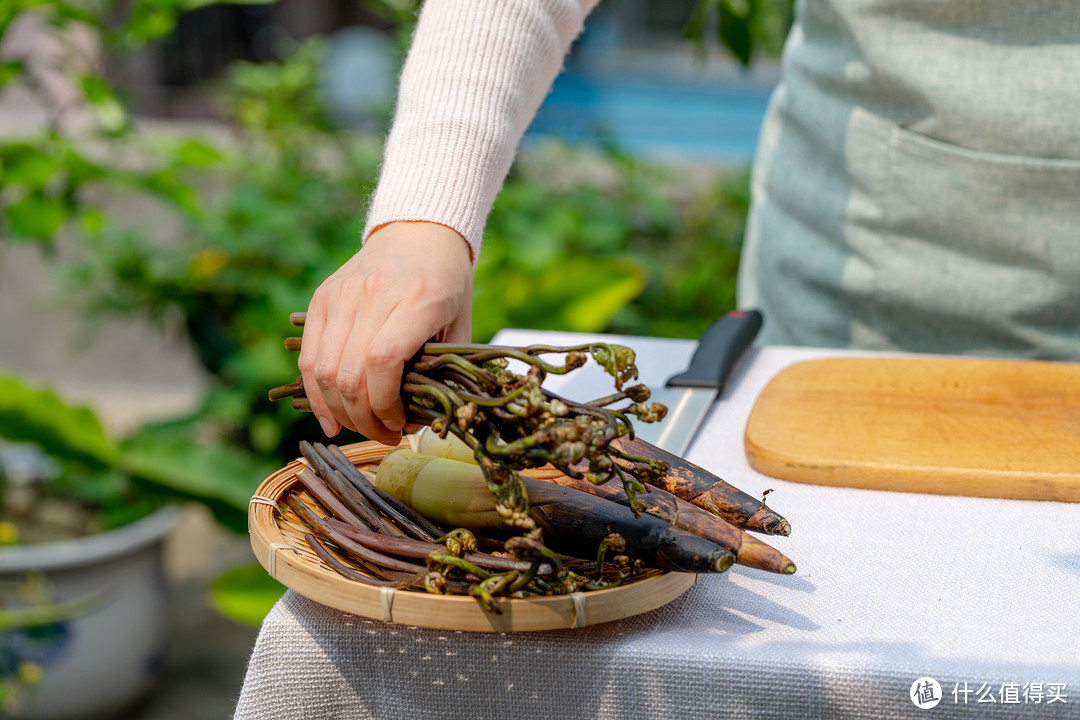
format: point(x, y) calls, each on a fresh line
point(917, 183)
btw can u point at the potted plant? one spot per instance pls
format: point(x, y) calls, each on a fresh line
point(81, 581)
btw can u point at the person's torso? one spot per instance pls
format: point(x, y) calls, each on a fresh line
point(916, 178)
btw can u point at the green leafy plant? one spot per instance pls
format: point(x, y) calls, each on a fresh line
point(744, 28)
point(104, 482)
point(245, 594)
point(83, 471)
point(642, 252)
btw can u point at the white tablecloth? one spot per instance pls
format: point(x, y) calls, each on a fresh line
point(982, 595)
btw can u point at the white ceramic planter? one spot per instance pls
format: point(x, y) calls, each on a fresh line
point(95, 664)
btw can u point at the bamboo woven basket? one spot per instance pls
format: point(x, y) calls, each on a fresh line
point(277, 538)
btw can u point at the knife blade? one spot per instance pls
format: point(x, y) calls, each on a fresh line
point(689, 395)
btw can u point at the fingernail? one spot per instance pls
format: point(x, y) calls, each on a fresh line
point(393, 425)
point(328, 426)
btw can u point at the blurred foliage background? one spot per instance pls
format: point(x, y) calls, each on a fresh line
point(243, 230)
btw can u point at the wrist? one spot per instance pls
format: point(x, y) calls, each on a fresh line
point(423, 231)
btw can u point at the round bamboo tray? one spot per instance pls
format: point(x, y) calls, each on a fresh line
point(277, 537)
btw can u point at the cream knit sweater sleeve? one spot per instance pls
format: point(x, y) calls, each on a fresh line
point(475, 75)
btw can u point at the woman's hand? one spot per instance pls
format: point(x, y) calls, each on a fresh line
point(411, 282)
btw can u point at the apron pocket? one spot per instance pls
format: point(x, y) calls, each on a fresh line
point(956, 250)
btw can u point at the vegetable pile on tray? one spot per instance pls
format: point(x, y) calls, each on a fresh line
point(508, 490)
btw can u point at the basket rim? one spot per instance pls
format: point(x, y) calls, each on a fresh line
point(411, 607)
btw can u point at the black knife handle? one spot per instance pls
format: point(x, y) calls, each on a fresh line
point(719, 350)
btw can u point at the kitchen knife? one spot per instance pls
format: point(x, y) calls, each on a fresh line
point(689, 394)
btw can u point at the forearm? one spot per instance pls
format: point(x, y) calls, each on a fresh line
point(476, 73)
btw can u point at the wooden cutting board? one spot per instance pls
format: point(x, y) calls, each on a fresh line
point(987, 428)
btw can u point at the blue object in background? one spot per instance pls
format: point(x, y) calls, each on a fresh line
point(704, 122)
